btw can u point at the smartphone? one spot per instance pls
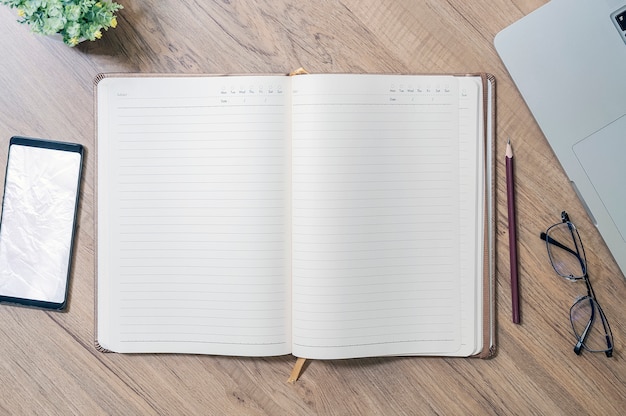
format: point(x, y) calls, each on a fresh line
point(38, 221)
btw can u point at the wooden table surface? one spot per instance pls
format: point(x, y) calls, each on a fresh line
point(48, 363)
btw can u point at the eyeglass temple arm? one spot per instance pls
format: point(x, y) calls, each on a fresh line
point(609, 351)
point(607, 329)
point(552, 241)
point(579, 345)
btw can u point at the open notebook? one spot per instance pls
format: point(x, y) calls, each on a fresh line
point(324, 216)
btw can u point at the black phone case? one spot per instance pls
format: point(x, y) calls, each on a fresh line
point(54, 145)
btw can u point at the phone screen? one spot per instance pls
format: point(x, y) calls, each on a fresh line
point(39, 208)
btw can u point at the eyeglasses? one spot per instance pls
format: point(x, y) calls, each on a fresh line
point(567, 255)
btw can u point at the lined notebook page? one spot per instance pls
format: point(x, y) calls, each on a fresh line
point(377, 232)
point(193, 215)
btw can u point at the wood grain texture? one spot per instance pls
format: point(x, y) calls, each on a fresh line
point(48, 363)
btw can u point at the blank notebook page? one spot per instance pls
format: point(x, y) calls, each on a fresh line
point(377, 234)
point(193, 229)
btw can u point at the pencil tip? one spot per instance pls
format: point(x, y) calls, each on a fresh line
point(509, 150)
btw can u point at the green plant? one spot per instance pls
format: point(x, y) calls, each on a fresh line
point(75, 20)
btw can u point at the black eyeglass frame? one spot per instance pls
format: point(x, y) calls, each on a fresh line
point(579, 253)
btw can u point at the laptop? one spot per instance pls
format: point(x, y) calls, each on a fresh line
point(568, 60)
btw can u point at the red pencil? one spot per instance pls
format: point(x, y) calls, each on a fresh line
point(510, 194)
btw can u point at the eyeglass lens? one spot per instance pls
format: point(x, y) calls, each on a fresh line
point(565, 250)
